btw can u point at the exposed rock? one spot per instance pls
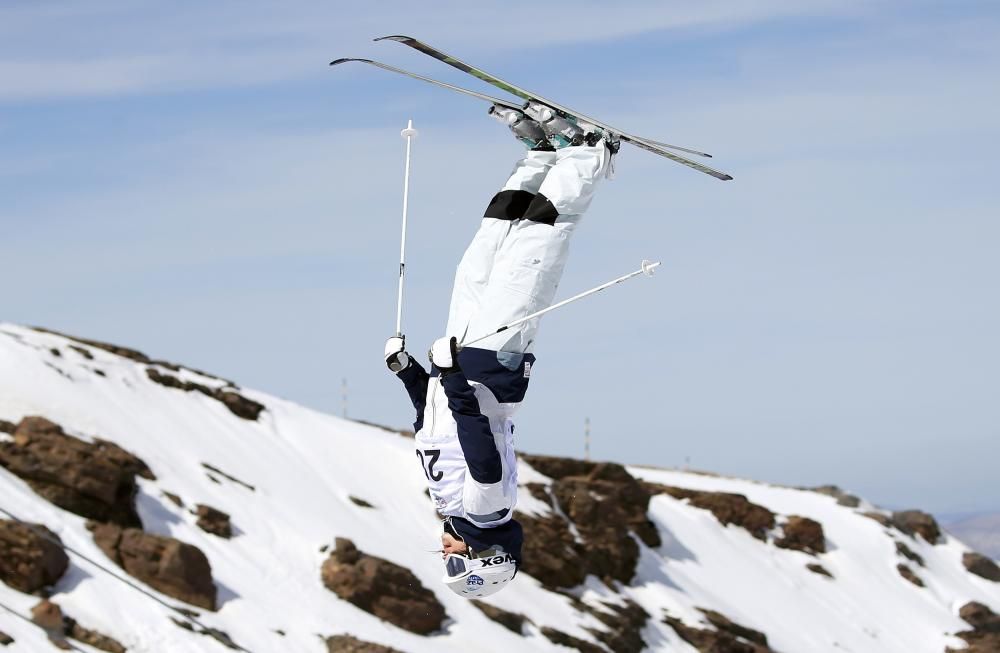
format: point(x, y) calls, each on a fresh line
point(174, 499)
point(909, 554)
point(124, 352)
point(5, 639)
point(727, 508)
point(605, 504)
point(82, 351)
point(557, 468)
point(359, 501)
point(908, 574)
point(49, 617)
point(173, 567)
point(843, 498)
point(624, 626)
point(214, 521)
point(29, 561)
point(916, 522)
point(551, 553)
point(512, 621)
point(982, 566)
point(802, 534)
point(92, 637)
point(564, 639)
point(382, 588)
point(730, 639)
point(236, 403)
point(725, 624)
point(7, 427)
point(980, 617)
point(218, 635)
point(819, 569)
point(124, 459)
point(96, 480)
point(879, 517)
point(985, 636)
point(226, 476)
point(539, 491)
point(351, 644)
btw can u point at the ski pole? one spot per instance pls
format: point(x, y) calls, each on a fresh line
point(647, 268)
point(409, 133)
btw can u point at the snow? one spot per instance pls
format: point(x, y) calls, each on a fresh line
point(304, 465)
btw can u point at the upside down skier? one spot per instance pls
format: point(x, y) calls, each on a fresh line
point(465, 405)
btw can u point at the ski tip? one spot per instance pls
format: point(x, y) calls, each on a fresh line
point(725, 177)
point(395, 37)
point(346, 59)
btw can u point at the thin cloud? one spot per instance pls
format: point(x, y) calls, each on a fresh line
point(111, 48)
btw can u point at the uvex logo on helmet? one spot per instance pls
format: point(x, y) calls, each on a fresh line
point(496, 560)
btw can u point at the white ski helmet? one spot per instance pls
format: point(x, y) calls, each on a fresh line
point(474, 578)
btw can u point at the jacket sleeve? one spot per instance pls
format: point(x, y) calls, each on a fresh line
point(474, 432)
point(415, 377)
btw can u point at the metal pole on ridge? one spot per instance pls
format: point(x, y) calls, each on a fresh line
point(409, 133)
point(647, 268)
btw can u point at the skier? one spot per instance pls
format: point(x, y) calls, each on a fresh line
point(465, 405)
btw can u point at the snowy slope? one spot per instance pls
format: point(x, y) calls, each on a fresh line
point(304, 465)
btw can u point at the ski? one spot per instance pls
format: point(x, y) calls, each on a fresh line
point(451, 87)
point(651, 146)
point(646, 144)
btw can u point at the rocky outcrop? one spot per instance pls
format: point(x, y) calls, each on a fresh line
point(173, 567)
point(604, 504)
point(512, 621)
point(916, 522)
point(726, 636)
point(5, 639)
point(843, 498)
point(236, 403)
point(909, 554)
point(351, 644)
point(92, 637)
point(214, 471)
point(819, 569)
point(93, 480)
point(214, 521)
point(49, 617)
point(909, 575)
point(802, 534)
point(563, 639)
point(981, 566)
point(728, 508)
point(358, 501)
point(623, 626)
point(885, 520)
point(7, 427)
point(220, 636)
point(382, 588)
point(125, 352)
point(28, 561)
point(985, 635)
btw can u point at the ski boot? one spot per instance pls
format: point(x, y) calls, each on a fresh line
point(565, 131)
point(525, 129)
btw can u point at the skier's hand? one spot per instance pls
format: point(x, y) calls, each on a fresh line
point(396, 357)
point(444, 354)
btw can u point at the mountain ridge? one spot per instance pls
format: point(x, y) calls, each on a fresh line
point(623, 558)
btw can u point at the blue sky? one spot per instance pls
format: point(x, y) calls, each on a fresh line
point(193, 180)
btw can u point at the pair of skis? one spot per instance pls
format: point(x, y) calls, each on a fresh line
point(656, 147)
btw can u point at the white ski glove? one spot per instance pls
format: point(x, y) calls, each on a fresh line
point(396, 357)
point(444, 354)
